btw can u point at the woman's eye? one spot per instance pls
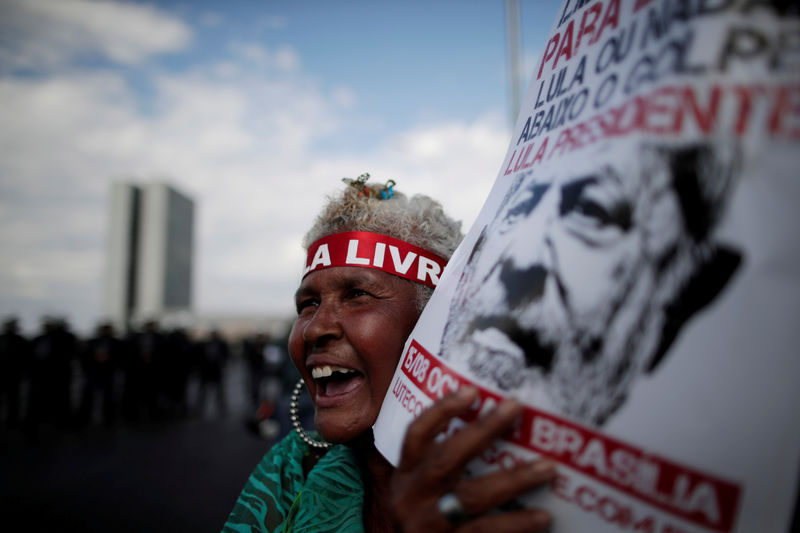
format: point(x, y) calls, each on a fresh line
point(305, 304)
point(355, 293)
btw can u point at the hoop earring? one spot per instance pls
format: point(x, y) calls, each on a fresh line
point(295, 418)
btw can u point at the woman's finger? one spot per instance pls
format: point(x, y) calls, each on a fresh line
point(481, 494)
point(522, 521)
point(432, 421)
point(478, 498)
point(451, 455)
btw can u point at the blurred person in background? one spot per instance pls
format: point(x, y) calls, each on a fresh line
point(214, 354)
point(146, 352)
point(52, 355)
point(14, 358)
point(100, 360)
point(177, 368)
point(253, 350)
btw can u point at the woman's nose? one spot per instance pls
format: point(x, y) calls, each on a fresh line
point(323, 326)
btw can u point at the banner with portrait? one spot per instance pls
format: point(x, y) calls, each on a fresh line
point(634, 275)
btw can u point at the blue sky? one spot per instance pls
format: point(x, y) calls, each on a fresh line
point(255, 109)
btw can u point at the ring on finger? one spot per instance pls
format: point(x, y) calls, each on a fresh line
point(452, 509)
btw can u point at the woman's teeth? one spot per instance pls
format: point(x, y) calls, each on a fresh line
point(327, 370)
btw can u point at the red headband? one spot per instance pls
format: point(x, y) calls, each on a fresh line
point(373, 250)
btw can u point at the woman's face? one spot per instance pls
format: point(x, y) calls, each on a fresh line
point(352, 323)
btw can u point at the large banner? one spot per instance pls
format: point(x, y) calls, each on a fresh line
point(634, 275)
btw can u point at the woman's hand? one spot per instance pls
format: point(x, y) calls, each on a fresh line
point(429, 470)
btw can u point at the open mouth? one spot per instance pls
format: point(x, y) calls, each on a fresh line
point(334, 380)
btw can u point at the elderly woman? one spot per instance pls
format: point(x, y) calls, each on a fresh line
point(354, 313)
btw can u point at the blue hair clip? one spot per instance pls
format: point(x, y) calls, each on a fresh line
point(388, 190)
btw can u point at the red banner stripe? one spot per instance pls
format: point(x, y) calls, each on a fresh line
point(695, 496)
point(373, 250)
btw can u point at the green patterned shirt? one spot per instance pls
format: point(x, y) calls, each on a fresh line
point(278, 497)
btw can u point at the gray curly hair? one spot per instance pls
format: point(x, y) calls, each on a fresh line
point(418, 220)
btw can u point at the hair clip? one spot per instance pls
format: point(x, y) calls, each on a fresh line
point(388, 190)
point(360, 184)
point(370, 191)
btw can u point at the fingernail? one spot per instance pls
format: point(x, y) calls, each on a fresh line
point(544, 522)
point(543, 468)
point(508, 406)
point(467, 391)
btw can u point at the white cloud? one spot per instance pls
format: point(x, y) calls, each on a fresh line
point(284, 58)
point(43, 33)
point(274, 22)
point(344, 96)
point(210, 19)
point(453, 162)
point(240, 141)
point(530, 65)
point(250, 51)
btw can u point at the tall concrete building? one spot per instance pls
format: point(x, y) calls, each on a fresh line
point(149, 264)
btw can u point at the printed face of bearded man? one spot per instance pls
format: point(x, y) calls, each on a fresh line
point(583, 280)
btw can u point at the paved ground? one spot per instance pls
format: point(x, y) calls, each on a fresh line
point(177, 476)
